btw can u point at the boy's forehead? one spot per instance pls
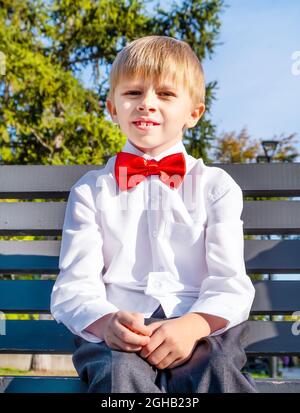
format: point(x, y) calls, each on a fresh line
point(166, 82)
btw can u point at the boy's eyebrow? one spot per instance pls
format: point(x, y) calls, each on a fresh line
point(165, 86)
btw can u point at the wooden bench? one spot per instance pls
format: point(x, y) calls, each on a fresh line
point(52, 184)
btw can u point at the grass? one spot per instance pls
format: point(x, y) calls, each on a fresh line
point(260, 376)
point(16, 372)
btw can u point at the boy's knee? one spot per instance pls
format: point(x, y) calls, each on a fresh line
point(126, 361)
point(219, 360)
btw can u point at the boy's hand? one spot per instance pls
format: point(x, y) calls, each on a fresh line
point(126, 331)
point(173, 341)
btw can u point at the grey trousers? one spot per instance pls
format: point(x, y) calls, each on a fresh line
point(214, 367)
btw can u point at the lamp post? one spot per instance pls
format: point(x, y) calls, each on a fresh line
point(269, 148)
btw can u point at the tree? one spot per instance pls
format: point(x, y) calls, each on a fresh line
point(235, 147)
point(47, 115)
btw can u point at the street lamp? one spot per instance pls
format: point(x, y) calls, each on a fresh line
point(269, 148)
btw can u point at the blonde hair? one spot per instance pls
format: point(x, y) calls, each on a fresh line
point(157, 57)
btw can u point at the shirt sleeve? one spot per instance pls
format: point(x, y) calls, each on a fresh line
point(227, 291)
point(79, 297)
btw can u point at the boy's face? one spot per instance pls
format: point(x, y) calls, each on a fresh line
point(170, 107)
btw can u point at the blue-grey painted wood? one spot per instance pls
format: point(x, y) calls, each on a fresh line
point(261, 256)
point(278, 386)
point(33, 296)
point(27, 257)
point(46, 218)
point(30, 248)
point(35, 218)
point(45, 181)
point(21, 296)
point(271, 217)
point(40, 181)
point(272, 256)
point(269, 179)
point(276, 297)
point(42, 384)
point(46, 336)
point(36, 336)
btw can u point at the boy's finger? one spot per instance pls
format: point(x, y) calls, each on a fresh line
point(120, 345)
point(131, 337)
point(135, 324)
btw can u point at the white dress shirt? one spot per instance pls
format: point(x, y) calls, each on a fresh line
point(133, 250)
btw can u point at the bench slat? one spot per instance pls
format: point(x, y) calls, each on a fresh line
point(272, 256)
point(41, 384)
point(269, 179)
point(23, 257)
point(40, 181)
point(271, 217)
point(46, 218)
point(45, 181)
point(33, 296)
point(35, 218)
point(276, 297)
point(261, 256)
point(45, 336)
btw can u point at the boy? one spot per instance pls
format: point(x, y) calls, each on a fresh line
point(152, 280)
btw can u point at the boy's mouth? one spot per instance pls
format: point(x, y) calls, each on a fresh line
point(145, 125)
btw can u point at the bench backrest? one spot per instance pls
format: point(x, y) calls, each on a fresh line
point(51, 184)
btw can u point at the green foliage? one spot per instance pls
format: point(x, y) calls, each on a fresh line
point(47, 116)
point(22, 316)
point(235, 147)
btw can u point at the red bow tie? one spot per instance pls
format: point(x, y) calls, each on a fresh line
point(132, 169)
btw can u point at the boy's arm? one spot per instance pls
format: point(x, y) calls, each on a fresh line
point(208, 323)
point(227, 292)
point(79, 296)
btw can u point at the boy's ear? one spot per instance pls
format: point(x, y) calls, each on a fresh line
point(112, 110)
point(195, 115)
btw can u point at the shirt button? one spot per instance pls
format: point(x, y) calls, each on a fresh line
point(154, 234)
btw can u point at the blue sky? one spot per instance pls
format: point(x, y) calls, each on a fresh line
point(253, 67)
point(257, 89)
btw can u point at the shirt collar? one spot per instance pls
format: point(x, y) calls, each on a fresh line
point(178, 147)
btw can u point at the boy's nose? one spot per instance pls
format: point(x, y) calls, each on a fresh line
point(148, 102)
point(142, 107)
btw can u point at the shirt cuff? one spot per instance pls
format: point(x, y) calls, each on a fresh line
point(88, 314)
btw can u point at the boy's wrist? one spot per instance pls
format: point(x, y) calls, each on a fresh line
point(205, 324)
point(98, 327)
point(199, 325)
point(210, 323)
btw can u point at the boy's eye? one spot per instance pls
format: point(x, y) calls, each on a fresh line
point(134, 92)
